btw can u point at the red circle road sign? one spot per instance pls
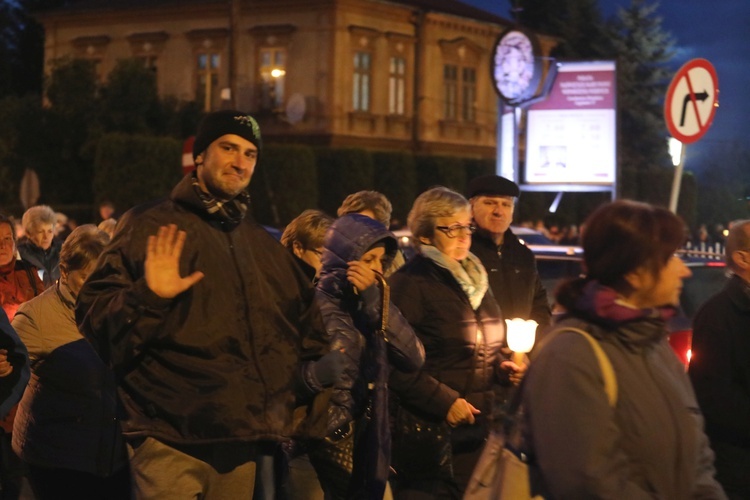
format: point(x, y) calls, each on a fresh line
point(692, 99)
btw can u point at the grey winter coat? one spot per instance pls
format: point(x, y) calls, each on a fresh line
point(651, 445)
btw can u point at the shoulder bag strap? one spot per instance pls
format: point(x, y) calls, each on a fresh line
point(610, 379)
point(608, 372)
point(385, 296)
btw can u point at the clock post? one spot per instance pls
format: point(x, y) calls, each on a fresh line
point(516, 70)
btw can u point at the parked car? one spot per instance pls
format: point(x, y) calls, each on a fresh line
point(560, 262)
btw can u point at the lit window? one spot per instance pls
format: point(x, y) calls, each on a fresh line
point(361, 90)
point(396, 86)
point(208, 91)
point(272, 76)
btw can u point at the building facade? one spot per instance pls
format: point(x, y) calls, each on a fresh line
point(390, 75)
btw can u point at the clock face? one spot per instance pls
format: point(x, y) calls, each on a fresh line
point(514, 65)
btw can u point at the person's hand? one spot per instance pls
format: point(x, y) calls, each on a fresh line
point(5, 367)
point(515, 371)
point(461, 412)
point(361, 276)
point(162, 266)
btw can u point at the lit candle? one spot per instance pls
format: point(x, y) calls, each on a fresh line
point(521, 335)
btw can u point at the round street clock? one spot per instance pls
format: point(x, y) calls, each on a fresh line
point(516, 66)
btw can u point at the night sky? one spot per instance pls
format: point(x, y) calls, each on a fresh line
point(713, 30)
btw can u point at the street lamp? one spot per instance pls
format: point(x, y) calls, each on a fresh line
point(677, 152)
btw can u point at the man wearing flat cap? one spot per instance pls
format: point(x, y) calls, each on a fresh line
point(200, 313)
point(511, 266)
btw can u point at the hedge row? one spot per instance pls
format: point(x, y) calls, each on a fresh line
point(132, 169)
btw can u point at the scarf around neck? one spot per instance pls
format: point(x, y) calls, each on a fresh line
point(603, 305)
point(232, 211)
point(469, 273)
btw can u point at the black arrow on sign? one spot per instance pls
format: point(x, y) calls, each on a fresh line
point(701, 96)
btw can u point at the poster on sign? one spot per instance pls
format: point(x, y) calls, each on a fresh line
point(571, 135)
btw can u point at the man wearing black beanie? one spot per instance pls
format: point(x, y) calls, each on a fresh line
point(202, 315)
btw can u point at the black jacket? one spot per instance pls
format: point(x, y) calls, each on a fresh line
point(720, 372)
point(217, 362)
point(47, 261)
point(433, 302)
point(513, 276)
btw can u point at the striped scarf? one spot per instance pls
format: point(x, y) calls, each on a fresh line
point(231, 212)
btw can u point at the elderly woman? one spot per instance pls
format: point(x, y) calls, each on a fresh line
point(66, 428)
point(650, 444)
point(38, 247)
point(446, 408)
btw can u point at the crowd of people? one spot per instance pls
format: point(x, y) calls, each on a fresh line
point(188, 354)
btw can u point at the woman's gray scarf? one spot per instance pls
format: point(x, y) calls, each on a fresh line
point(469, 273)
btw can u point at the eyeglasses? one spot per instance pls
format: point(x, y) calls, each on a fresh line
point(456, 229)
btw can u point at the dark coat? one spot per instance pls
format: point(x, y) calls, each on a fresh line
point(513, 277)
point(437, 308)
point(67, 417)
point(47, 261)
point(217, 363)
point(12, 385)
point(650, 445)
point(351, 319)
point(720, 371)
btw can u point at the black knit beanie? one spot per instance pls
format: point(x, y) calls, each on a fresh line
point(223, 122)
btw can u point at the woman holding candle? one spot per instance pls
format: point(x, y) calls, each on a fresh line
point(443, 293)
point(650, 444)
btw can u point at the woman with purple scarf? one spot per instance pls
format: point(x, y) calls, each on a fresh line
point(650, 443)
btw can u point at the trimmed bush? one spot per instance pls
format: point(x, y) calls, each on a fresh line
point(133, 169)
point(445, 171)
point(479, 166)
point(342, 172)
point(396, 177)
point(284, 184)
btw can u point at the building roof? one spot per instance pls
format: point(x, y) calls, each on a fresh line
point(454, 7)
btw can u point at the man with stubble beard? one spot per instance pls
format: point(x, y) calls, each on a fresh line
point(201, 314)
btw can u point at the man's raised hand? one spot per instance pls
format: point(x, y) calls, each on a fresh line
point(162, 266)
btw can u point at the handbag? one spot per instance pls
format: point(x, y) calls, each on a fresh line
point(502, 472)
point(421, 447)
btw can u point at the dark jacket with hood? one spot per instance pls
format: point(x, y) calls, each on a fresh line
point(650, 445)
point(351, 319)
point(513, 276)
point(217, 363)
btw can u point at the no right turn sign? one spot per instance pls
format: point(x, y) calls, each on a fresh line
point(692, 99)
